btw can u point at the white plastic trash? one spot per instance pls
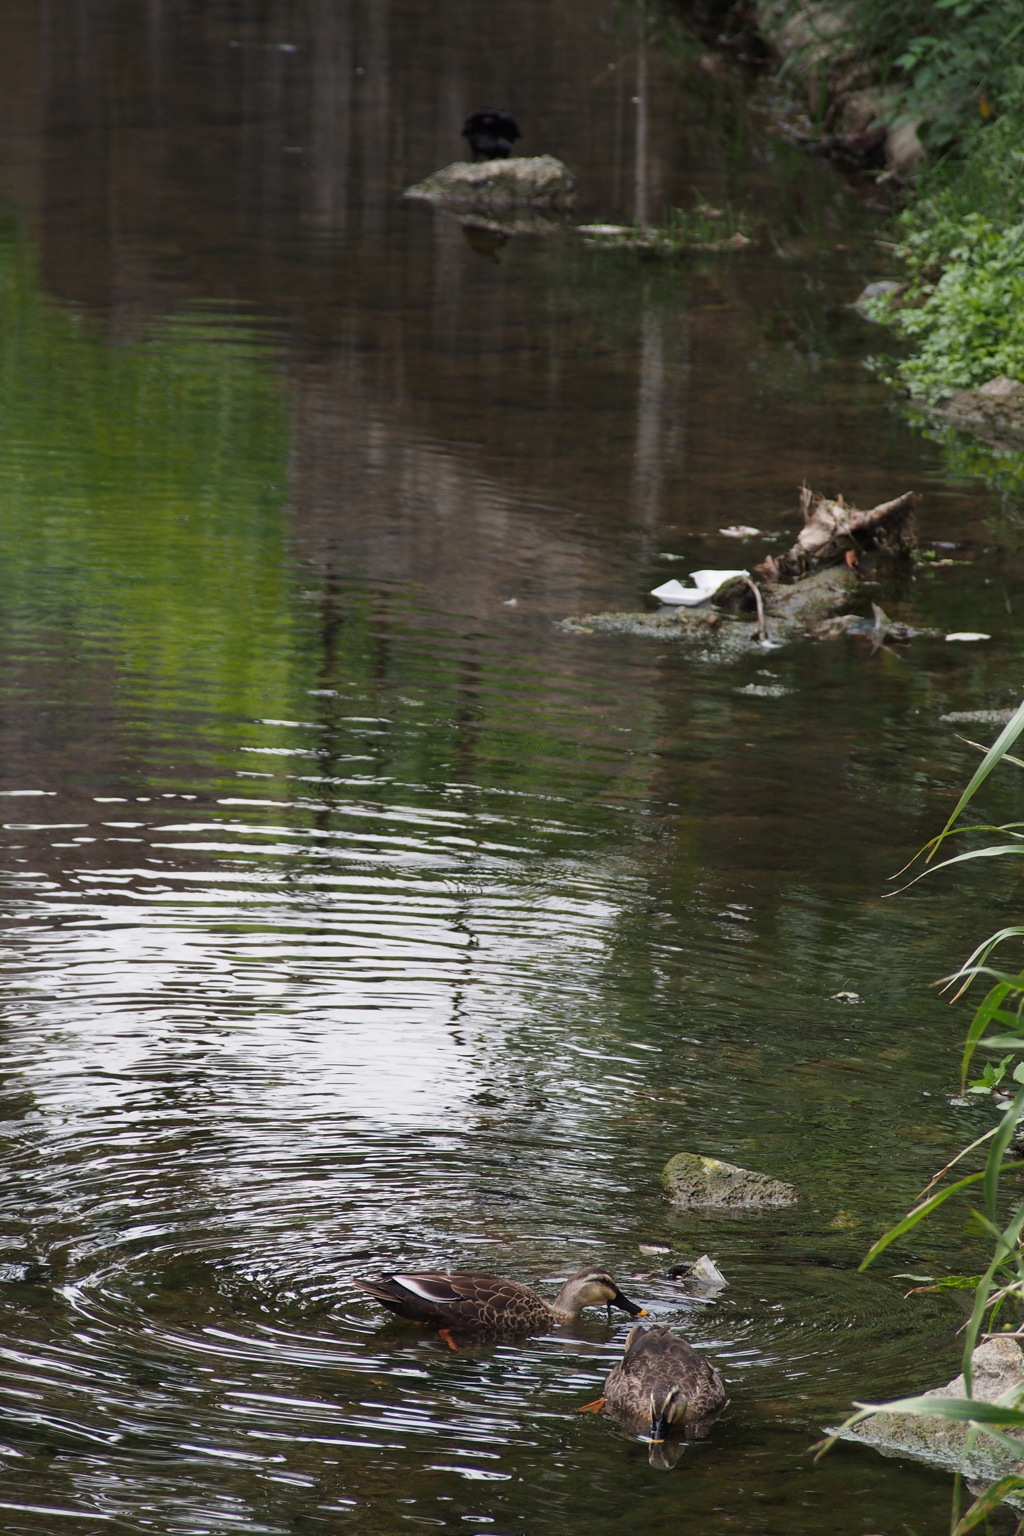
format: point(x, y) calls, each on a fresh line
point(706, 1273)
point(705, 585)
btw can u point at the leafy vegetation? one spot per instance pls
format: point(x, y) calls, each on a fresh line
point(997, 1026)
point(961, 252)
point(954, 69)
point(947, 61)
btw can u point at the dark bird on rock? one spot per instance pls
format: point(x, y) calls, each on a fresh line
point(464, 1302)
point(491, 134)
point(663, 1391)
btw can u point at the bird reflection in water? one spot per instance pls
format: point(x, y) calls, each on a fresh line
point(485, 240)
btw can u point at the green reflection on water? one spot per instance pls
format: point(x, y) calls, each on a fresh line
point(141, 487)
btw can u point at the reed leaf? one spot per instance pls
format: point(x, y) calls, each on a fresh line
point(998, 750)
point(919, 1212)
point(994, 1162)
point(1005, 1245)
point(986, 1504)
point(987, 1013)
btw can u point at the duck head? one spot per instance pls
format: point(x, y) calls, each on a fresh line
point(668, 1407)
point(594, 1288)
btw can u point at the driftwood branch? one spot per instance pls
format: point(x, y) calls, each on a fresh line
point(832, 531)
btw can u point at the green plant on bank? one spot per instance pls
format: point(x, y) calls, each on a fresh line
point(968, 326)
point(946, 61)
point(954, 69)
point(962, 258)
point(997, 1025)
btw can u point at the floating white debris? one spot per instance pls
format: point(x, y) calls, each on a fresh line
point(968, 634)
point(705, 585)
point(979, 716)
point(846, 997)
point(704, 1272)
point(764, 690)
point(740, 531)
point(652, 1248)
point(605, 229)
point(674, 592)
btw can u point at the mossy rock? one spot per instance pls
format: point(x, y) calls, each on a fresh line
point(997, 1370)
point(689, 1179)
point(497, 186)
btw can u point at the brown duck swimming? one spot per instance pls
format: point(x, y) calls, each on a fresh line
point(664, 1391)
point(465, 1302)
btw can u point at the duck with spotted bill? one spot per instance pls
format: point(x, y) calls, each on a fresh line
point(463, 1301)
point(663, 1391)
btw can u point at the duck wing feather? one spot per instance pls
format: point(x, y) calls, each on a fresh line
point(462, 1299)
point(655, 1360)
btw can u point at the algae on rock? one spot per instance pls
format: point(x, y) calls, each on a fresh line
point(498, 186)
point(690, 1179)
point(998, 1370)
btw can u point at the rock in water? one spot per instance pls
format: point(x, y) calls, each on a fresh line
point(496, 186)
point(689, 1179)
point(994, 411)
point(998, 1368)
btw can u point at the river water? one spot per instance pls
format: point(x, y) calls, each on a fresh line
point(359, 917)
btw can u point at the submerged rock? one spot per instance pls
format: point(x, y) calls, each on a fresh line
point(497, 186)
point(656, 242)
point(790, 611)
point(689, 1179)
point(998, 1368)
point(811, 596)
point(709, 636)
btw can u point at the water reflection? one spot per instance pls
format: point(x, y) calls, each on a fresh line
point(357, 915)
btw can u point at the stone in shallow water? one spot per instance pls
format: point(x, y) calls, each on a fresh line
point(994, 411)
point(522, 181)
point(979, 716)
point(998, 1368)
point(689, 1179)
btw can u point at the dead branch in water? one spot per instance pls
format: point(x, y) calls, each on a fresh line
point(832, 530)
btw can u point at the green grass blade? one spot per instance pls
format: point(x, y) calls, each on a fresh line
point(1013, 1446)
point(912, 1218)
point(994, 851)
point(962, 1410)
point(999, 748)
point(986, 1504)
point(981, 1021)
point(980, 955)
point(1000, 1142)
point(1005, 1247)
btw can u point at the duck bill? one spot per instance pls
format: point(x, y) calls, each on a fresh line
point(659, 1430)
point(625, 1305)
